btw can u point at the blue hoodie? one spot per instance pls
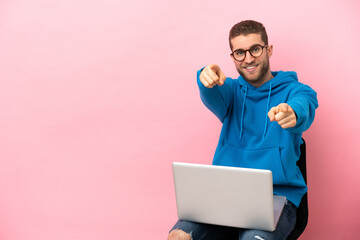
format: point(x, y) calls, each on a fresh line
point(248, 138)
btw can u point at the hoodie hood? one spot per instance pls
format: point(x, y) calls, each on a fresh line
point(279, 78)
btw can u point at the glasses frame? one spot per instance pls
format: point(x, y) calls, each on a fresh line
point(248, 50)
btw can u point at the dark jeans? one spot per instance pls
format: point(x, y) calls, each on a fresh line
point(200, 231)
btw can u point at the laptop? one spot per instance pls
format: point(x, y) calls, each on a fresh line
point(228, 196)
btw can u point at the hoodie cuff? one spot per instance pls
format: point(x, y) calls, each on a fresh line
point(301, 109)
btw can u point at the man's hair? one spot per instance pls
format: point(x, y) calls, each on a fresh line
point(246, 27)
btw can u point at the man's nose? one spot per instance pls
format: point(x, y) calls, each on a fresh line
point(248, 57)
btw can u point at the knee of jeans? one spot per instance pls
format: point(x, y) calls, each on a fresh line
point(258, 237)
point(253, 234)
point(178, 234)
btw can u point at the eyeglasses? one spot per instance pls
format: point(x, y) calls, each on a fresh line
point(255, 51)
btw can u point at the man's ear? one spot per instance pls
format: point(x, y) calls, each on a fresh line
point(269, 50)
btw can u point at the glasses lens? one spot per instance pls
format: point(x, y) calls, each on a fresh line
point(239, 55)
point(256, 51)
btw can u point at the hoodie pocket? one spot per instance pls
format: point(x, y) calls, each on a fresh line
point(261, 158)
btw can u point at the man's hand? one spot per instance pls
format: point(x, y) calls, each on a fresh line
point(284, 115)
point(211, 76)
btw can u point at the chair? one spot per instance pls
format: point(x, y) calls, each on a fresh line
point(302, 213)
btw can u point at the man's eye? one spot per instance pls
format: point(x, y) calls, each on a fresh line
point(239, 53)
point(256, 49)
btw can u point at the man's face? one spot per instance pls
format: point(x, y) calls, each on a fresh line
point(254, 70)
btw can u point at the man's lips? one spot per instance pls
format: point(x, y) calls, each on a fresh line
point(251, 68)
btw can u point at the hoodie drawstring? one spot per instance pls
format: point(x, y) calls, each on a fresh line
point(267, 110)
point(242, 112)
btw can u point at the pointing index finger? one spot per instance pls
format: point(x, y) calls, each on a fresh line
point(271, 113)
point(212, 74)
point(283, 107)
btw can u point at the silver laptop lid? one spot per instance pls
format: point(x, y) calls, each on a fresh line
point(229, 196)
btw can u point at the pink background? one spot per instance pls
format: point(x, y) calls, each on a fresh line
point(98, 97)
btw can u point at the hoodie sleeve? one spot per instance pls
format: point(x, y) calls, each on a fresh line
point(304, 102)
point(218, 98)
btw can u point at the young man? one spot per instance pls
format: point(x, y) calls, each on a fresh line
point(264, 114)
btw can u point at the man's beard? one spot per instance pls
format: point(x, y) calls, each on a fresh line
point(264, 67)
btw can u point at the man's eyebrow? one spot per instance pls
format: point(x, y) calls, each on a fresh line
point(248, 48)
